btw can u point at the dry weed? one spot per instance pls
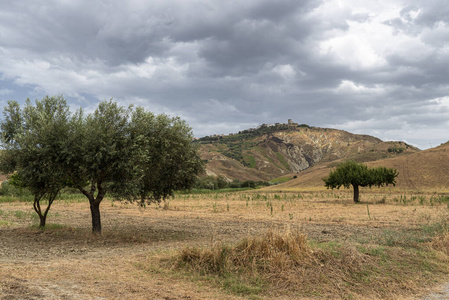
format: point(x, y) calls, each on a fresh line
point(283, 261)
point(441, 243)
point(274, 254)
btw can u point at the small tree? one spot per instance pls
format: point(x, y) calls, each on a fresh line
point(102, 159)
point(222, 182)
point(130, 153)
point(358, 175)
point(33, 139)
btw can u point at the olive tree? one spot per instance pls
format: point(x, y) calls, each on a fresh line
point(103, 158)
point(124, 152)
point(168, 156)
point(351, 173)
point(33, 140)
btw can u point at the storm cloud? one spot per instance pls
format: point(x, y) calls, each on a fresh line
point(371, 67)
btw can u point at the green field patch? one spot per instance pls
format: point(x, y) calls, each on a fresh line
point(280, 180)
point(250, 161)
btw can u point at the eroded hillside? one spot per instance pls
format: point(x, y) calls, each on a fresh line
point(267, 153)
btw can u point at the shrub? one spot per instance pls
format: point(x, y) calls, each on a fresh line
point(7, 189)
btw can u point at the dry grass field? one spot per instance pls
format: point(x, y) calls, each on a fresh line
point(246, 245)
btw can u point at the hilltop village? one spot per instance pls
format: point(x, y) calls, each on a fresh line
point(289, 124)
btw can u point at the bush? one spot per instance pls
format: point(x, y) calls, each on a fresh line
point(396, 150)
point(7, 189)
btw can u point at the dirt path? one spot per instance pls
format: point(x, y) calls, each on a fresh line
point(440, 293)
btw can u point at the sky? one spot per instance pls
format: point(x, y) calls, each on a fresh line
point(372, 67)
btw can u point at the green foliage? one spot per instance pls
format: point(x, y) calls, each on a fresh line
point(208, 191)
point(220, 182)
point(126, 152)
point(249, 161)
point(248, 134)
point(280, 180)
point(347, 174)
point(98, 155)
point(34, 140)
point(168, 158)
point(207, 182)
point(396, 150)
point(12, 122)
point(243, 135)
point(351, 173)
point(11, 190)
point(234, 154)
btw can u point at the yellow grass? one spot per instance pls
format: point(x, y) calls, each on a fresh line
point(334, 244)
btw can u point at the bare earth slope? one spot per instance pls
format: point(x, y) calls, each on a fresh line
point(267, 154)
point(425, 170)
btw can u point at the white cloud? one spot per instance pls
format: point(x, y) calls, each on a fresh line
point(349, 87)
point(442, 102)
point(285, 71)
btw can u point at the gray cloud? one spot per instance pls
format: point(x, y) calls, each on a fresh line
point(228, 65)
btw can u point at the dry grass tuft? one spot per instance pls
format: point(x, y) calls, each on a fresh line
point(273, 250)
point(273, 256)
point(441, 243)
point(284, 263)
point(280, 262)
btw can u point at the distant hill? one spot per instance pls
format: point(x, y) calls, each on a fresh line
point(268, 151)
point(426, 170)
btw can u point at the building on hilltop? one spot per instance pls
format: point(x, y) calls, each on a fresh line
point(291, 123)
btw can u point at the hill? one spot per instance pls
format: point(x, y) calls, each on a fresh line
point(268, 151)
point(426, 170)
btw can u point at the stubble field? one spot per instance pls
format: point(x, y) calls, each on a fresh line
point(390, 246)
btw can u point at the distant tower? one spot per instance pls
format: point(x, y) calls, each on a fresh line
point(290, 122)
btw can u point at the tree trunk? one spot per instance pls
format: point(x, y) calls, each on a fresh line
point(38, 210)
point(43, 219)
point(356, 194)
point(96, 220)
point(94, 204)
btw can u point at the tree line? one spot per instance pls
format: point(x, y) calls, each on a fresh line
point(125, 152)
point(220, 182)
